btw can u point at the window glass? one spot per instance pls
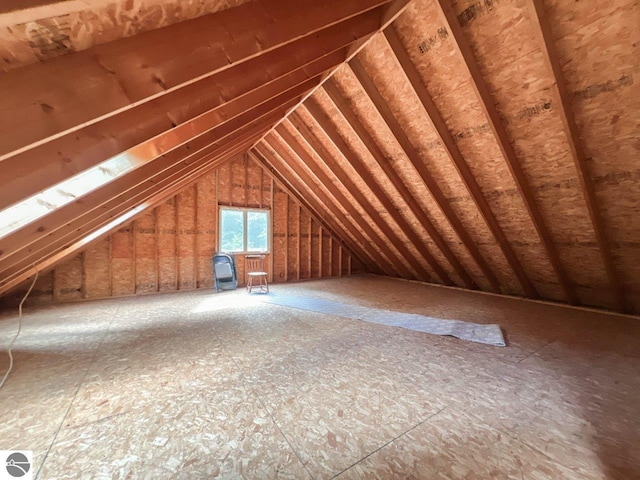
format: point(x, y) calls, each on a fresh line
point(232, 226)
point(257, 229)
point(244, 230)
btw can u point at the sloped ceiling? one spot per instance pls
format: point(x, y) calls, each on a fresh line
point(489, 145)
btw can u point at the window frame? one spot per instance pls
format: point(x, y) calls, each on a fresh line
point(244, 211)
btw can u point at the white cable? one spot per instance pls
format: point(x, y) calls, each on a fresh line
point(19, 328)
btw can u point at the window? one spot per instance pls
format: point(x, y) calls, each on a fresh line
point(244, 230)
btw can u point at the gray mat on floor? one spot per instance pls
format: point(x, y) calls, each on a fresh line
point(490, 334)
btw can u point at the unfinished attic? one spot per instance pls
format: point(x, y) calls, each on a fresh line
point(436, 205)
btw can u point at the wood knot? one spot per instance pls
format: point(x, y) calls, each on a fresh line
point(41, 228)
point(46, 108)
point(159, 81)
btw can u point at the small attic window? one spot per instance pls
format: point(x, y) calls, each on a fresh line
point(244, 230)
point(46, 201)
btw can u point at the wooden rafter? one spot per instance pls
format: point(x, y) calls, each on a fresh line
point(75, 237)
point(94, 84)
point(392, 175)
point(118, 199)
point(458, 160)
point(487, 103)
point(351, 157)
point(356, 224)
point(261, 162)
point(86, 238)
point(199, 145)
point(32, 174)
point(414, 157)
point(577, 152)
point(391, 12)
point(71, 153)
point(317, 200)
point(362, 222)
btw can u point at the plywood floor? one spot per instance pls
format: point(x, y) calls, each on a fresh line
point(198, 385)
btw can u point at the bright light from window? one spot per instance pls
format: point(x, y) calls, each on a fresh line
point(40, 204)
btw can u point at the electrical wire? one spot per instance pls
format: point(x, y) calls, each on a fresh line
point(19, 328)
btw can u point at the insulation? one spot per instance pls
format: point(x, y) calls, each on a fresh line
point(123, 263)
point(185, 240)
point(97, 264)
point(146, 252)
point(206, 228)
point(167, 248)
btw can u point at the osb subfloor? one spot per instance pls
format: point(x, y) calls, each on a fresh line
point(203, 385)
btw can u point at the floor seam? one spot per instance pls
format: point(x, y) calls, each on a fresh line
point(391, 441)
point(534, 352)
point(84, 376)
point(255, 394)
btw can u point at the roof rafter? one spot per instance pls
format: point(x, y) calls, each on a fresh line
point(458, 160)
point(112, 201)
point(577, 152)
point(93, 84)
point(351, 157)
point(487, 104)
point(321, 204)
point(298, 197)
point(86, 237)
point(391, 12)
point(324, 161)
point(66, 155)
point(310, 172)
point(18, 239)
point(414, 157)
point(392, 175)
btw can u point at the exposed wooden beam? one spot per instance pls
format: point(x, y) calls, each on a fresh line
point(392, 175)
point(414, 157)
point(296, 123)
point(372, 182)
point(328, 210)
point(168, 188)
point(307, 166)
point(450, 146)
point(93, 84)
point(563, 99)
point(61, 216)
point(76, 151)
point(310, 239)
point(487, 103)
point(391, 12)
point(116, 204)
point(27, 176)
point(315, 208)
point(298, 245)
point(9, 282)
point(286, 241)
